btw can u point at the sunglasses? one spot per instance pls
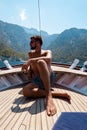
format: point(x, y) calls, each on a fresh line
point(33, 41)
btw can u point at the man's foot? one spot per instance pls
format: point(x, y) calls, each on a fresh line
point(50, 107)
point(67, 96)
point(61, 95)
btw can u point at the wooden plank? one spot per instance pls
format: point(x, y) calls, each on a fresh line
point(26, 121)
point(77, 100)
point(32, 124)
point(54, 68)
point(6, 112)
point(21, 113)
point(11, 71)
point(38, 115)
point(43, 116)
point(18, 121)
point(68, 70)
point(14, 115)
point(7, 101)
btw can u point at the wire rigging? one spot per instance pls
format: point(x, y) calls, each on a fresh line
point(39, 16)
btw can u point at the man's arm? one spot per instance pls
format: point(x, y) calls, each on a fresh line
point(47, 57)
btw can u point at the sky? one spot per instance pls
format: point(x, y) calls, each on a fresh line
point(55, 15)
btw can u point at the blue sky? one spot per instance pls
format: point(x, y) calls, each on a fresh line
point(56, 15)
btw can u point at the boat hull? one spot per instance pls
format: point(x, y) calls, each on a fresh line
point(72, 79)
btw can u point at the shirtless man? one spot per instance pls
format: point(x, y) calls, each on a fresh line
point(39, 72)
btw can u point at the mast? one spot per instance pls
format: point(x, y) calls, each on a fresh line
point(39, 16)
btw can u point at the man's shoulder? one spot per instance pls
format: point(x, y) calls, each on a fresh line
point(30, 53)
point(46, 50)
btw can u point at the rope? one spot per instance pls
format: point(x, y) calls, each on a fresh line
point(39, 16)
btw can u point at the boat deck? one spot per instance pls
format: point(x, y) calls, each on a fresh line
point(20, 113)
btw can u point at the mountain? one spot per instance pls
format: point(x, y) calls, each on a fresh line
point(70, 44)
point(18, 37)
point(66, 46)
point(47, 39)
point(14, 39)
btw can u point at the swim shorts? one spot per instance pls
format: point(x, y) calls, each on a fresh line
point(37, 80)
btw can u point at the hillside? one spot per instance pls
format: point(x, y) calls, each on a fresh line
point(70, 44)
point(66, 46)
point(14, 40)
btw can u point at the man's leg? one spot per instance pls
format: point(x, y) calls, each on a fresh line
point(32, 90)
point(45, 77)
point(44, 74)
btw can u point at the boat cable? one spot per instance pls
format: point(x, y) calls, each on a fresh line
point(39, 17)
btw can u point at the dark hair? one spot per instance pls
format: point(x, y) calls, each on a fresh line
point(37, 38)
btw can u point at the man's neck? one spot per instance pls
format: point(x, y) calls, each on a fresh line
point(38, 50)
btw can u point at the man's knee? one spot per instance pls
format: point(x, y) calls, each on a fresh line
point(25, 91)
point(41, 63)
point(42, 67)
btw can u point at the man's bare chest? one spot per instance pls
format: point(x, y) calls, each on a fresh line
point(35, 55)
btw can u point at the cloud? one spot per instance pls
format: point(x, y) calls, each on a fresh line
point(23, 15)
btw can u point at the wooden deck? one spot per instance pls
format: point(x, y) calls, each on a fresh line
point(20, 113)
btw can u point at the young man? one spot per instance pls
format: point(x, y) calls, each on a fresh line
point(39, 72)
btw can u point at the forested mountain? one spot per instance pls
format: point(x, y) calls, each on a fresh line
point(70, 44)
point(14, 39)
point(66, 46)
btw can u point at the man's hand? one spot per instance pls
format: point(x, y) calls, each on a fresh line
point(25, 68)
